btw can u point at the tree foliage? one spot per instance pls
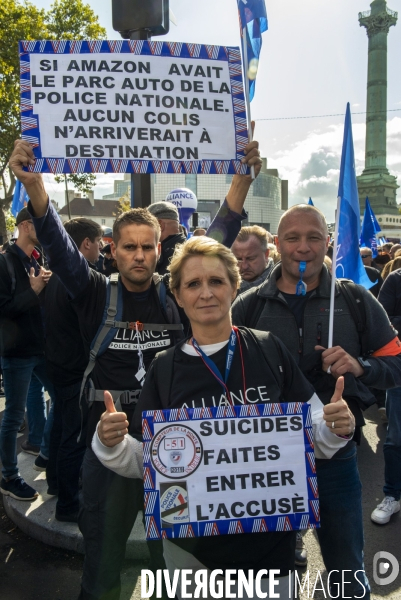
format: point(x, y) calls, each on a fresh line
point(10, 222)
point(82, 182)
point(73, 20)
point(17, 22)
point(66, 19)
point(124, 204)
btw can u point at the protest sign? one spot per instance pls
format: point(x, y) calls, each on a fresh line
point(229, 470)
point(133, 106)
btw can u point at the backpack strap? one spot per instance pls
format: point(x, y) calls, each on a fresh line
point(161, 290)
point(110, 311)
point(255, 308)
point(163, 365)
point(272, 354)
point(356, 305)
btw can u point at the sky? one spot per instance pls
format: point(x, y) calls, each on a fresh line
point(313, 61)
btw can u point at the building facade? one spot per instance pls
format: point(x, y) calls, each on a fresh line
point(103, 212)
point(121, 188)
point(267, 199)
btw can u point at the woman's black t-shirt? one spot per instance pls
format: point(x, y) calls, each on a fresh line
point(194, 386)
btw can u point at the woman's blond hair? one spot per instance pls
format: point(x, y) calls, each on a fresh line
point(391, 266)
point(202, 246)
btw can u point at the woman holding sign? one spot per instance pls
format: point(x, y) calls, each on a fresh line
point(249, 463)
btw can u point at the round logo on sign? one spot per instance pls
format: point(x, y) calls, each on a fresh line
point(176, 451)
point(174, 505)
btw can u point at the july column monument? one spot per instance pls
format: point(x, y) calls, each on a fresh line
point(376, 181)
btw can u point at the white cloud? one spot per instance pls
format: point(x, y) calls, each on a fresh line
point(312, 165)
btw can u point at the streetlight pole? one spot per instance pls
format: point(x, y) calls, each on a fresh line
point(141, 195)
point(139, 20)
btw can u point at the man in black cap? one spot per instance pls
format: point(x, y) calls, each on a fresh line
point(22, 283)
point(171, 235)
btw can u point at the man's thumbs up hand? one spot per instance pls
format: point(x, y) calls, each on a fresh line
point(113, 425)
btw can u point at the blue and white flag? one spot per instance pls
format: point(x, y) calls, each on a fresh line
point(370, 227)
point(20, 198)
point(253, 18)
point(348, 259)
point(310, 202)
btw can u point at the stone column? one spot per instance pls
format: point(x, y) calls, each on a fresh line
point(377, 22)
point(375, 181)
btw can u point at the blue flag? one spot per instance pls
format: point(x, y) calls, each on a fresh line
point(348, 260)
point(20, 198)
point(253, 18)
point(370, 227)
point(310, 202)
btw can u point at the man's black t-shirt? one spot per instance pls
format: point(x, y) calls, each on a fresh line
point(297, 305)
point(194, 386)
point(117, 367)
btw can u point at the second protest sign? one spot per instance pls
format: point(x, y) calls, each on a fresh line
point(229, 470)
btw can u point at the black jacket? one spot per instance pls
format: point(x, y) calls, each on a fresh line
point(374, 276)
point(277, 317)
point(21, 325)
point(168, 246)
point(390, 298)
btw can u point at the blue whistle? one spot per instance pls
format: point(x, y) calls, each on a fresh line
point(301, 288)
point(302, 266)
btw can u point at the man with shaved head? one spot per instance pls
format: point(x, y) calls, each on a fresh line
point(294, 304)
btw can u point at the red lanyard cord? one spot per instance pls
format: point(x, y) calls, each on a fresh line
point(242, 362)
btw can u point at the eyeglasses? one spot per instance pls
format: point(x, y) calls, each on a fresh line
point(365, 256)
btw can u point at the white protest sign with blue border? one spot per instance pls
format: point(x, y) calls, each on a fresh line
point(229, 470)
point(132, 106)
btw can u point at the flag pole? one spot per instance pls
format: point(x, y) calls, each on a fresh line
point(333, 275)
point(246, 83)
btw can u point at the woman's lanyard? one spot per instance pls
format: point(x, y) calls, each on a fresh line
point(210, 364)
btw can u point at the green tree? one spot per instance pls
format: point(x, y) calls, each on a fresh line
point(73, 20)
point(124, 204)
point(10, 222)
point(17, 22)
point(82, 182)
point(66, 19)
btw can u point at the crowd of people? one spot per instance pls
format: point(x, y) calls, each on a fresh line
point(89, 330)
